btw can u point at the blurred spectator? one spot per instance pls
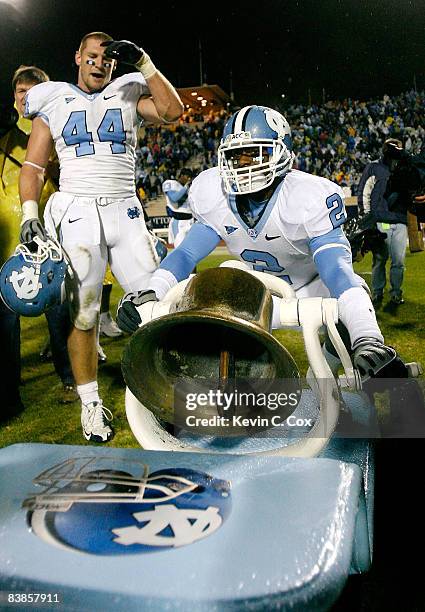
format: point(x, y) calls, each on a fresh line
point(388, 208)
point(13, 145)
point(178, 207)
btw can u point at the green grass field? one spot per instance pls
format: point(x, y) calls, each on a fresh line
point(45, 420)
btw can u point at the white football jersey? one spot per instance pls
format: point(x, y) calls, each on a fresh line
point(173, 185)
point(95, 135)
point(302, 207)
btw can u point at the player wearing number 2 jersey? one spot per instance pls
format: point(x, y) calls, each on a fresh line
point(96, 214)
point(276, 220)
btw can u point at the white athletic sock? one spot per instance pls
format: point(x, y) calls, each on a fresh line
point(89, 392)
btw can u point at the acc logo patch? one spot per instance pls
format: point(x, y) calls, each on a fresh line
point(103, 506)
point(230, 229)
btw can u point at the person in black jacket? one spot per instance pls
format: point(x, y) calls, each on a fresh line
point(389, 209)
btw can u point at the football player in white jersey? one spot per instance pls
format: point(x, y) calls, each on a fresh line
point(178, 206)
point(96, 213)
point(277, 220)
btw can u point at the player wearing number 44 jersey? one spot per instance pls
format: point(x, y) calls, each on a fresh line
point(276, 220)
point(96, 213)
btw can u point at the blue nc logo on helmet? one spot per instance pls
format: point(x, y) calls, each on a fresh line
point(106, 506)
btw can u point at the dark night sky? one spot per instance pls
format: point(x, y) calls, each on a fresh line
point(357, 48)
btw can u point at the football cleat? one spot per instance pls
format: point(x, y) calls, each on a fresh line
point(108, 326)
point(261, 135)
point(68, 394)
point(101, 355)
point(32, 280)
point(94, 421)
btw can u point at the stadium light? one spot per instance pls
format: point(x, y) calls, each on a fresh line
point(200, 98)
point(194, 93)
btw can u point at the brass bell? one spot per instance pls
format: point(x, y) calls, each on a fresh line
point(219, 335)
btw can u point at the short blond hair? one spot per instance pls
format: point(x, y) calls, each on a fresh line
point(29, 74)
point(99, 35)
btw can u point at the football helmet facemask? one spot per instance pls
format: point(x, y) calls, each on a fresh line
point(256, 148)
point(32, 280)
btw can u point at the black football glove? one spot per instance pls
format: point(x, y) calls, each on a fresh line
point(31, 228)
point(382, 370)
point(123, 51)
point(376, 360)
point(128, 318)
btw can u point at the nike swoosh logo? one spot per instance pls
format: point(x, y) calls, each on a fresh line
point(271, 237)
point(74, 220)
point(109, 97)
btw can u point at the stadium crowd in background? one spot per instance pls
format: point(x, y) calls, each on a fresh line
point(335, 140)
point(163, 150)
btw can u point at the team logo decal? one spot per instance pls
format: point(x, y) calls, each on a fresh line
point(277, 122)
point(133, 213)
point(104, 506)
point(187, 526)
point(26, 283)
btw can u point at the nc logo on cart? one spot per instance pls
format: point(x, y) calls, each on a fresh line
point(168, 525)
point(104, 506)
point(26, 283)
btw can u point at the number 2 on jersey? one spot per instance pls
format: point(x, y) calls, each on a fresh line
point(337, 214)
point(265, 262)
point(111, 129)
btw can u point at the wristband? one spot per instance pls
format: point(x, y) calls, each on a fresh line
point(146, 66)
point(29, 210)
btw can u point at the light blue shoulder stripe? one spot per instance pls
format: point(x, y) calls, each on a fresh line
point(334, 238)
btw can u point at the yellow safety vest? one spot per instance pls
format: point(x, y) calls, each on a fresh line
point(13, 147)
